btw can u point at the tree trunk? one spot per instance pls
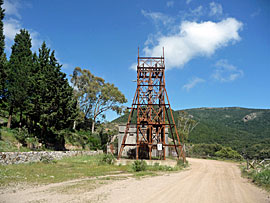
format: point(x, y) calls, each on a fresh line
point(93, 126)
point(20, 124)
point(10, 117)
point(74, 125)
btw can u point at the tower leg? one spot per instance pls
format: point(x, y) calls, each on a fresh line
point(137, 152)
point(150, 152)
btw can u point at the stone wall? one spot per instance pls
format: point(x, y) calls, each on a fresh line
point(27, 157)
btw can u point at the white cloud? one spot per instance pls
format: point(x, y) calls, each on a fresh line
point(197, 11)
point(12, 25)
point(188, 1)
point(170, 4)
point(65, 65)
point(11, 28)
point(36, 41)
point(192, 83)
point(158, 17)
point(11, 8)
point(195, 39)
point(226, 72)
point(256, 13)
point(133, 66)
point(215, 9)
point(192, 14)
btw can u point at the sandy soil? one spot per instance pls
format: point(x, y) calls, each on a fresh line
point(207, 181)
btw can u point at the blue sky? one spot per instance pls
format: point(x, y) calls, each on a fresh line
point(217, 53)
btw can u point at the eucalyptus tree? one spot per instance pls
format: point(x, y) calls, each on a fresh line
point(186, 124)
point(95, 96)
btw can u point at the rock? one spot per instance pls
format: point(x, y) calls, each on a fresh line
point(26, 157)
point(249, 117)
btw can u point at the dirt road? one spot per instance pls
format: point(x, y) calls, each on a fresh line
point(207, 181)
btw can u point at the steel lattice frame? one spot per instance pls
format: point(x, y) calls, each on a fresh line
point(152, 108)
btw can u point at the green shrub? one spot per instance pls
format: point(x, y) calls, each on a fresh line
point(139, 165)
point(181, 163)
point(47, 159)
point(108, 159)
point(263, 177)
point(21, 135)
point(228, 153)
point(205, 149)
point(157, 167)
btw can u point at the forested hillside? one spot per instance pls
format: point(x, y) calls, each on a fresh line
point(240, 128)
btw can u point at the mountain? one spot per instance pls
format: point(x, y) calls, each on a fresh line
point(236, 127)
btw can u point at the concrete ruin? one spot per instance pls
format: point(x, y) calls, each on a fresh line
point(131, 139)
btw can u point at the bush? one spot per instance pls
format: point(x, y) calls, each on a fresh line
point(157, 167)
point(21, 135)
point(205, 149)
point(263, 177)
point(228, 153)
point(47, 159)
point(108, 159)
point(139, 165)
point(181, 163)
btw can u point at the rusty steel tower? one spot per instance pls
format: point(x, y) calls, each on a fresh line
point(152, 111)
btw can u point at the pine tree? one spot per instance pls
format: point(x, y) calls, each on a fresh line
point(3, 60)
point(19, 81)
point(53, 107)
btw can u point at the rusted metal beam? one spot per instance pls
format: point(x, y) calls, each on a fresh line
point(152, 105)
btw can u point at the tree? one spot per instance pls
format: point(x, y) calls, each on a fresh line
point(53, 106)
point(186, 124)
point(3, 74)
point(20, 66)
point(95, 96)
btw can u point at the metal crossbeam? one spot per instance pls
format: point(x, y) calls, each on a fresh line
point(152, 107)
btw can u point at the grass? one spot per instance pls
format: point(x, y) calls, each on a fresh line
point(261, 178)
point(59, 171)
point(8, 141)
point(71, 168)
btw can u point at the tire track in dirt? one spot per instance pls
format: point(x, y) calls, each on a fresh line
point(206, 181)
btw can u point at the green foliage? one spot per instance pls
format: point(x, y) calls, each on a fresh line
point(201, 150)
point(46, 159)
point(181, 163)
point(185, 124)
point(68, 168)
point(258, 151)
point(214, 150)
point(88, 140)
point(8, 142)
point(94, 142)
point(52, 106)
point(94, 96)
point(228, 153)
point(139, 165)
point(263, 177)
point(108, 159)
point(225, 126)
point(40, 93)
point(3, 60)
point(21, 135)
point(158, 167)
point(2, 36)
point(19, 68)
